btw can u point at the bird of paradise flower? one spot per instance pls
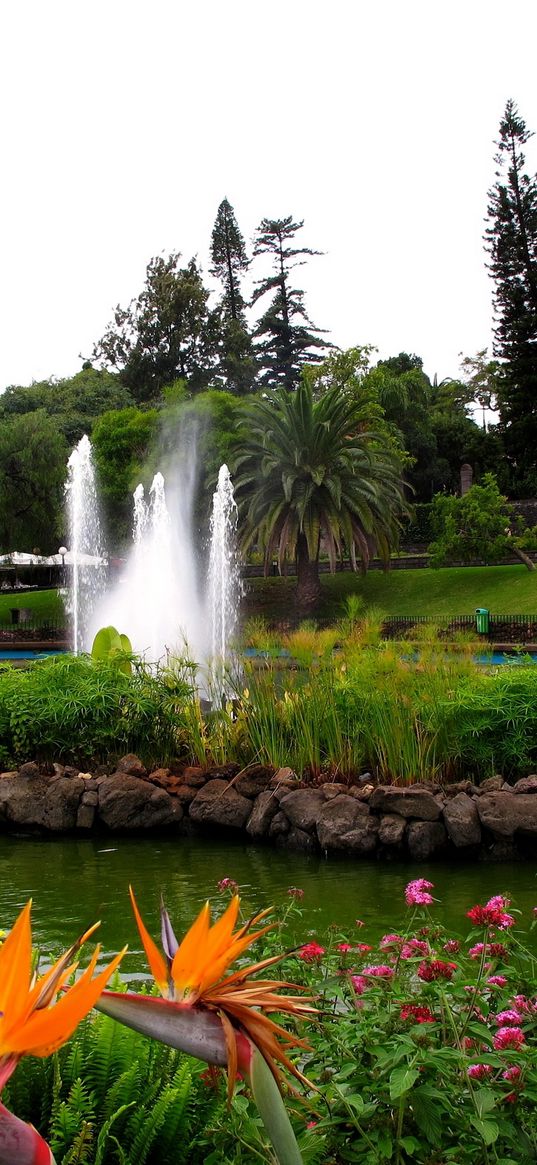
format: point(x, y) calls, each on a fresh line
point(219, 1017)
point(34, 1022)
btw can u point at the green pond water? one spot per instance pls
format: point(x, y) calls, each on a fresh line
point(74, 882)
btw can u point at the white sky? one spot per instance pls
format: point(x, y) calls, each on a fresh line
point(125, 123)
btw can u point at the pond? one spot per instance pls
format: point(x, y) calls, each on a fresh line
point(74, 882)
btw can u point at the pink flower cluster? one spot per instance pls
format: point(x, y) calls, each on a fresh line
point(493, 913)
point(496, 981)
point(417, 893)
point(294, 892)
point(494, 950)
point(417, 1013)
point(435, 969)
point(479, 1071)
point(509, 1037)
point(311, 952)
point(509, 1018)
point(227, 884)
point(379, 971)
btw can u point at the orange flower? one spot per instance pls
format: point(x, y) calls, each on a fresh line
point(32, 1021)
point(192, 975)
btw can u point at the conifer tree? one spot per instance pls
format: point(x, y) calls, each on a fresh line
point(287, 339)
point(236, 364)
point(511, 240)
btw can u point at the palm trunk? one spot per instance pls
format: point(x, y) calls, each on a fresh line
point(521, 554)
point(308, 590)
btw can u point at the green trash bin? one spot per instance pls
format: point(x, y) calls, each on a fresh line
point(482, 620)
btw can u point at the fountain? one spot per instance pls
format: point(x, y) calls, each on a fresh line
point(162, 601)
point(86, 540)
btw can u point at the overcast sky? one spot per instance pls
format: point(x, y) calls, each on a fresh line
point(125, 123)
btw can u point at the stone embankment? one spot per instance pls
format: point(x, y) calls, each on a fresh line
point(494, 820)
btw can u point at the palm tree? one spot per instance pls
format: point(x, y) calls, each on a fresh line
point(311, 469)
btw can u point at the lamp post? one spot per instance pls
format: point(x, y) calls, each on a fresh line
point(63, 551)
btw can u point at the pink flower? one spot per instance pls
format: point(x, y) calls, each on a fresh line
point(227, 884)
point(452, 947)
point(363, 948)
point(416, 893)
point(509, 1037)
point(359, 984)
point(312, 1124)
point(379, 971)
point(414, 947)
point(509, 1018)
point(418, 1014)
point(512, 1073)
point(492, 914)
point(294, 892)
point(344, 948)
point(390, 940)
point(311, 952)
point(497, 981)
point(359, 922)
point(479, 1071)
point(495, 950)
point(436, 969)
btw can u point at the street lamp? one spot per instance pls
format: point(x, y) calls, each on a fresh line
point(63, 551)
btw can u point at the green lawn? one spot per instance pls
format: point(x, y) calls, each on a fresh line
point(43, 604)
point(505, 590)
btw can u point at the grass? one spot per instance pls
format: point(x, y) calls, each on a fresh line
point(43, 604)
point(505, 590)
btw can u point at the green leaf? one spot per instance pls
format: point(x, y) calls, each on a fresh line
point(273, 1112)
point(488, 1130)
point(401, 1081)
point(485, 1101)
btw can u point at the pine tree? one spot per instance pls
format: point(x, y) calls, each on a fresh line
point(236, 366)
point(511, 240)
point(287, 337)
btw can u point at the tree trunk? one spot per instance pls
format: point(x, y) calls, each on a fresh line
point(308, 590)
point(523, 557)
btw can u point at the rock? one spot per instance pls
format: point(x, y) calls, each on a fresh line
point(159, 777)
point(491, 785)
point(85, 816)
point(392, 829)
point(90, 797)
point(362, 793)
point(222, 772)
point(41, 802)
point(303, 807)
point(131, 765)
point(29, 770)
point(285, 774)
point(508, 813)
point(279, 824)
point(411, 802)
point(526, 785)
point(458, 787)
point(253, 781)
point(462, 820)
point(58, 770)
point(264, 810)
point(9, 775)
point(70, 771)
point(184, 794)
point(194, 776)
point(127, 802)
point(344, 823)
point(296, 839)
point(425, 838)
point(218, 803)
point(331, 789)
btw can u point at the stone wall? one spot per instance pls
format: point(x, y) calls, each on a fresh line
point(495, 820)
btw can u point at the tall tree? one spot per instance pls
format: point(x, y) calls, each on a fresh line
point(311, 469)
point(511, 240)
point(287, 339)
point(236, 364)
point(33, 459)
point(163, 334)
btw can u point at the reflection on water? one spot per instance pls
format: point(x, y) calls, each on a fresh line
point(74, 882)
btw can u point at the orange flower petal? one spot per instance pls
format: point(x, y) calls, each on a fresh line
point(15, 965)
point(156, 961)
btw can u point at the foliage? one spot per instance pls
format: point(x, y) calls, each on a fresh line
point(511, 241)
point(287, 339)
point(75, 708)
point(472, 526)
point(423, 1051)
point(75, 402)
point(476, 525)
point(236, 364)
point(311, 469)
point(33, 457)
point(121, 442)
point(109, 645)
point(163, 334)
